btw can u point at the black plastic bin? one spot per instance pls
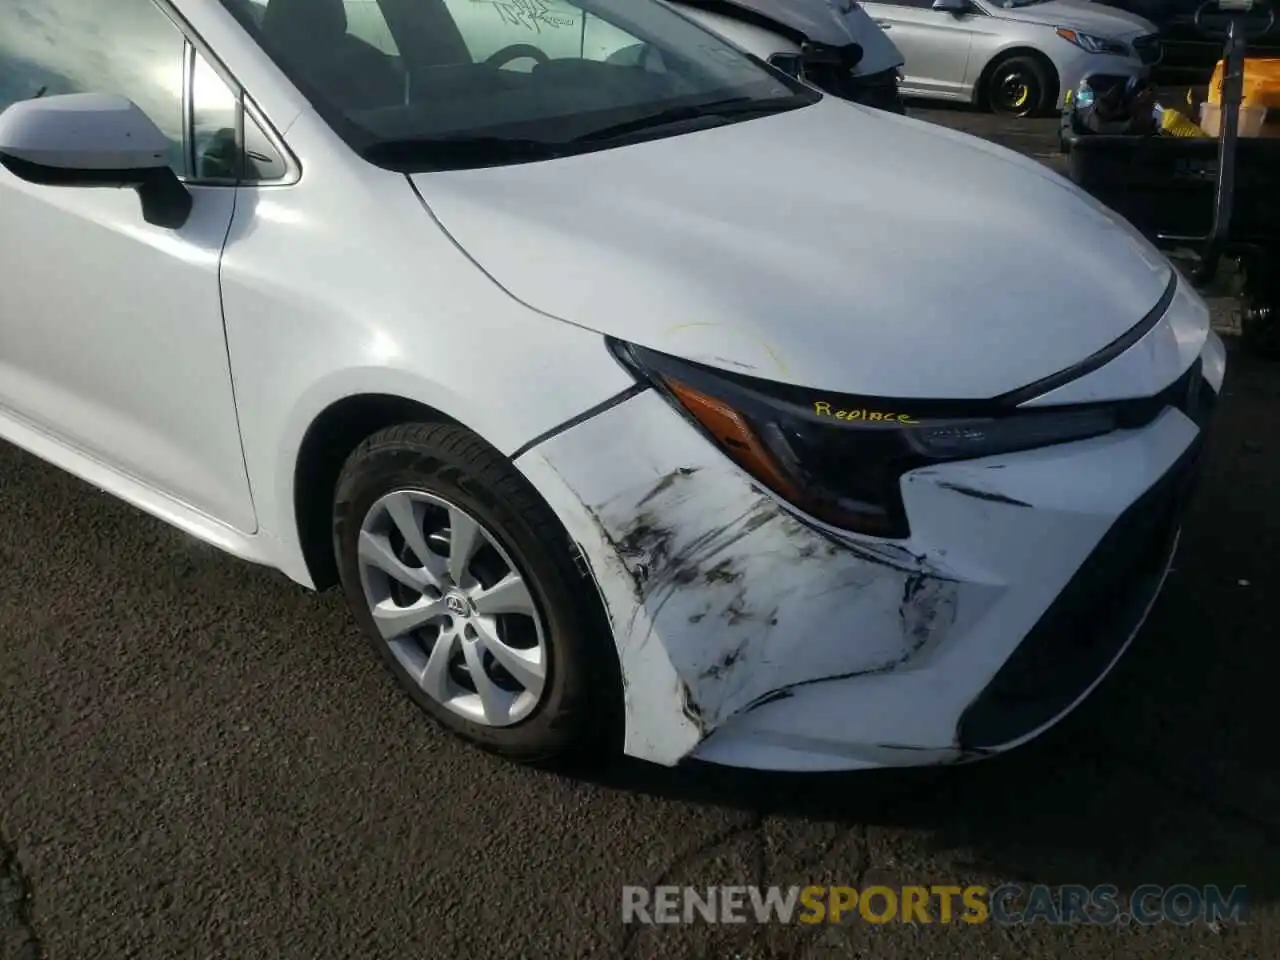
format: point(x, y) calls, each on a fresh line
point(1165, 186)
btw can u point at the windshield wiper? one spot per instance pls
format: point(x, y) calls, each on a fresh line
point(716, 110)
point(461, 152)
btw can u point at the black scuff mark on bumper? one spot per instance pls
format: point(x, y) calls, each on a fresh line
point(657, 571)
point(646, 546)
point(928, 604)
point(666, 483)
point(928, 607)
point(791, 688)
point(724, 664)
point(837, 543)
point(722, 572)
point(658, 567)
point(768, 698)
point(984, 495)
point(689, 706)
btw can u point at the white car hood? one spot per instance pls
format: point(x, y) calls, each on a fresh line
point(1083, 15)
point(835, 247)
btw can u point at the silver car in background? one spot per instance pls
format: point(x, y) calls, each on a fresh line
point(1018, 57)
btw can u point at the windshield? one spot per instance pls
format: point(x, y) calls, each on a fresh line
point(438, 84)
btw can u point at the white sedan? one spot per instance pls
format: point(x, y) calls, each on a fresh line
point(623, 408)
point(1019, 57)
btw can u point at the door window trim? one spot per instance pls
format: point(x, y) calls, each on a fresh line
point(193, 45)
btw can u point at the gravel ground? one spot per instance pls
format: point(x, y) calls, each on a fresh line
point(198, 759)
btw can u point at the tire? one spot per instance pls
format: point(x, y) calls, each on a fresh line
point(449, 476)
point(1019, 86)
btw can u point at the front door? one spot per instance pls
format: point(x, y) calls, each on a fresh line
point(934, 45)
point(111, 332)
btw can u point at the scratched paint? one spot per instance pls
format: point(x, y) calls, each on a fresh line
point(747, 600)
point(748, 634)
point(720, 597)
point(984, 494)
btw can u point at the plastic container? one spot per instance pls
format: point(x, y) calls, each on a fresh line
point(1261, 83)
point(1254, 121)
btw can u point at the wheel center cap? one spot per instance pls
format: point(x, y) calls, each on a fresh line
point(457, 604)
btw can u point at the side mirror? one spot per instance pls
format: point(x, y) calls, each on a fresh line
point(953, 7)
point(94, 140)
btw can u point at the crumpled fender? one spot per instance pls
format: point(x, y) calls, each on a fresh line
point(719, 597)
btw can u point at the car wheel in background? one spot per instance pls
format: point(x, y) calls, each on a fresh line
point(465, 583)
point(1019, 86)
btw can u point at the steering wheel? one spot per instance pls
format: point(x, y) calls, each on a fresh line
point(517, 51)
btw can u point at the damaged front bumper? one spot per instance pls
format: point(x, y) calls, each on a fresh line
point(753, 636)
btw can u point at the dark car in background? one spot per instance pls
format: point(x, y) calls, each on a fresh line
point(1189, 55)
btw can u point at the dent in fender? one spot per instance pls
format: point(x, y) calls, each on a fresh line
point(720, 599)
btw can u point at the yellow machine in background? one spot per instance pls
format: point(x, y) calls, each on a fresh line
point(1259, 103)
point(1261, 83)
point(1178, 124)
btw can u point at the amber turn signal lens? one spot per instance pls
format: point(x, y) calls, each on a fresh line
point(734, 435)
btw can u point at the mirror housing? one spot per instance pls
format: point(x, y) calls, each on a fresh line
point(953, 7)
point(94, 140)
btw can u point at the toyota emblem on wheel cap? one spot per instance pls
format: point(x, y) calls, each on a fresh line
point(455, 604)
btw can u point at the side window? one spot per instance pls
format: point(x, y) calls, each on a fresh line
point(215, 111)
point(76, 46)
point(263, 162)
point(223, 133)
point(366, 22)
point(257, 9)
point(553, 28)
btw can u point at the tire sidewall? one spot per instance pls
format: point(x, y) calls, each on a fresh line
point(1033, 75)
point(409, 467)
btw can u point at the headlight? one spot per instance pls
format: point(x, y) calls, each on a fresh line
point(841, 458)
point(1092, 44)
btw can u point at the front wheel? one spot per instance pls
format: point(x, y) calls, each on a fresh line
point(1019, 87)
point(464, 582)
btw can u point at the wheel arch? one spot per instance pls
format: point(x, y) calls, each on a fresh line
point(1008, 53)
point(297, 448)
point(327, 442)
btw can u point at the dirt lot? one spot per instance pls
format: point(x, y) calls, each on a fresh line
point(198, 759)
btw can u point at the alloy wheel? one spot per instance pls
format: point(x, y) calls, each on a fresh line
point(453, 608)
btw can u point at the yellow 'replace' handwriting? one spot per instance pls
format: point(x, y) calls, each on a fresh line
point(872, 416)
